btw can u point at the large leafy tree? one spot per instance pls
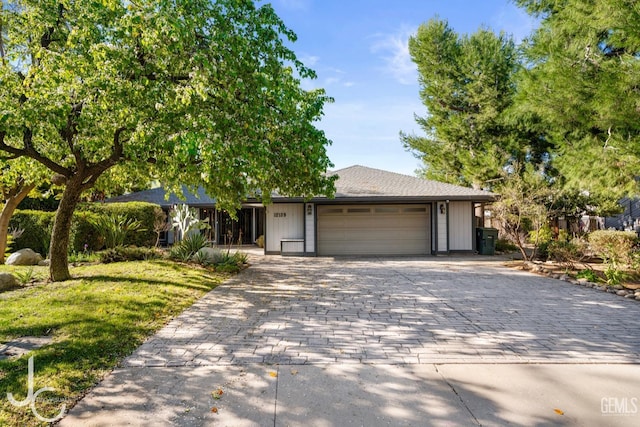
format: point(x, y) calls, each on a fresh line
point(467, 83)
point(583, 79)
point(204, 91)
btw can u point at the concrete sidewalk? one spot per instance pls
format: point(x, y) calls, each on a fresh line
point(365, 395)
point(376, 342)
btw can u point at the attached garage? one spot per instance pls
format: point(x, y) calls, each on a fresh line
point(373, 212)
point(374, 229)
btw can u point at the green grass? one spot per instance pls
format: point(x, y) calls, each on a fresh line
point(95, 320)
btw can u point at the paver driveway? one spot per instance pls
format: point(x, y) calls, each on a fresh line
point(396, 311)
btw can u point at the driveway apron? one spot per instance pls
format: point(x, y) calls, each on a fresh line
point(382, 341)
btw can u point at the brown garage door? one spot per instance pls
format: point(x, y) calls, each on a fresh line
point(374, 230)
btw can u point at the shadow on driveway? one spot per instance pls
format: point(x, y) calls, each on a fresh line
point(382, 341)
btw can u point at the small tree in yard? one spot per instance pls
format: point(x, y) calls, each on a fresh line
point(18, 178)
point(523, 206)
point(204, 91)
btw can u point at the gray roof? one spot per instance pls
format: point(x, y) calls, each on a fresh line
point(360, 182)
point(354, 184)
point(158, 196)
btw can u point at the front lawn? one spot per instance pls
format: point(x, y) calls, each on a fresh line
point(94, 320)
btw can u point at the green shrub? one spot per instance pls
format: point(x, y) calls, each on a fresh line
point(188, 247)
point(37, 227)
point(26, 276)
point(228, 268)
point(541, 236)
point(128, 253)
point(505, 245)
point(614, 273)
point(145, 213)
point(588, 274)
point(194, 242)
point(241, 258)
point(84, 236)
point(116, 229)
point(616, 248)
point(566, 252)
point(180, 253)
point(230, 263)
point(613, 246)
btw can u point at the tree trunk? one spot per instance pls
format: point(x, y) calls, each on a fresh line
point(7, 212)
point(59, 268)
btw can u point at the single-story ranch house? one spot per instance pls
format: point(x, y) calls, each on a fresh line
point(374, 212)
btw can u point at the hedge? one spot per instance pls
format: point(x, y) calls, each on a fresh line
point(37, 226)
point(612, 245)
point(146, 213)
point(84, 233)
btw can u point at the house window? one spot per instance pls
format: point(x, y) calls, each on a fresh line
point(386, 210)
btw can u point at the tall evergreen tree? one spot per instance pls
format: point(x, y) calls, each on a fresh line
point(583, 79)
point(467, 85)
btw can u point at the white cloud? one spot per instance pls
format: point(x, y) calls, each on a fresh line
point(394, 51)
point(309, 60)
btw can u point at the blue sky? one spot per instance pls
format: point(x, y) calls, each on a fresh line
point(359, 51)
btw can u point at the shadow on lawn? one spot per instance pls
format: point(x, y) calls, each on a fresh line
point(92, 332)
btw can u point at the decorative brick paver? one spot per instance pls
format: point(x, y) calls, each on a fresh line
point(396, 311)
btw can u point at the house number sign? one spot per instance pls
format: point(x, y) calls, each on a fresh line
point(279, 214)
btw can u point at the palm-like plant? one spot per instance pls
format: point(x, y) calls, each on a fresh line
point(115, 228)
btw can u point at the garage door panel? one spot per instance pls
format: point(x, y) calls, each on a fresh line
point(374, 230)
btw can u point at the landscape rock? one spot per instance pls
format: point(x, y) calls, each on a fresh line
point(629, 296)
point(24, 257)
point(44, 262)
point(7, 281)
point(209, 253)
point(618, 287)
point(583, 280)
point(621, 292)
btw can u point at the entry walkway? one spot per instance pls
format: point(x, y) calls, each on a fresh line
point(393, 341)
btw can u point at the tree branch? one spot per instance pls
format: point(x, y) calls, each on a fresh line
point(70, 130)
point(93, 172)
point(47, 37)
point(31, 152)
